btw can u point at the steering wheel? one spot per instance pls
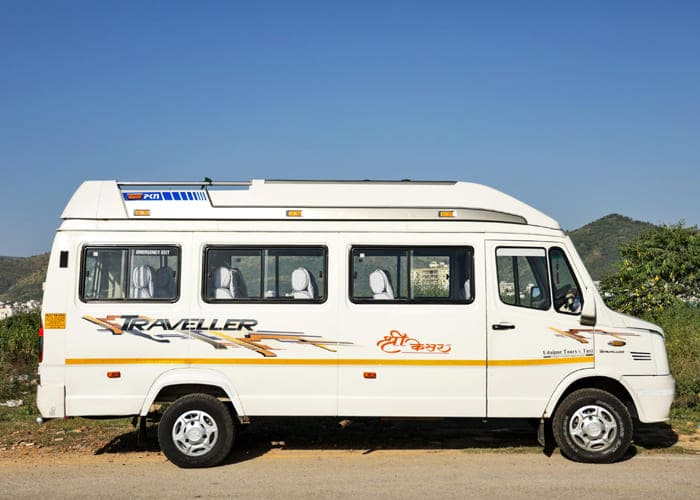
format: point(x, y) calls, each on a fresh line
point(562, 295)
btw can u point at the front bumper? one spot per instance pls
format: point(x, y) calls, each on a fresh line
point(652, 394)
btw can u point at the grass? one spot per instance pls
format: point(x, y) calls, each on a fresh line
point(685, 420)
point(18, 429)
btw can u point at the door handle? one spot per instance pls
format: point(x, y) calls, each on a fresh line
point(503, 326)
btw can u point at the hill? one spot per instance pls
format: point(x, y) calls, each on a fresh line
point(21, 277)
point(599, 242)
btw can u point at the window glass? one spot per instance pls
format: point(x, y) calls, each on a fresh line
point(405, 274)
point(430, 276)
point(130, 273)
point(258, 273)
point(567, 293)
point(522, 277)
point(286, 272)
point(104, 274)
point(234, 273)
point(380, 272)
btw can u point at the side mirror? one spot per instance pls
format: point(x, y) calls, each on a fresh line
point(535, 295)
point(588, 313)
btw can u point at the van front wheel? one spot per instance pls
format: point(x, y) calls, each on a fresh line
point(196, 431)
point(592, 425)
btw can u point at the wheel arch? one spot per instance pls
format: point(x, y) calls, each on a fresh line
point(178, 382)
point(578, 381)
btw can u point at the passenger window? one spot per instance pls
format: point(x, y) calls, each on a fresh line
point(430, 275)
point(522, 277)
point(265, 273)
point(234, 274)
point(130, 273)
point(406, 274)
point(380, 273)
point(567, 293)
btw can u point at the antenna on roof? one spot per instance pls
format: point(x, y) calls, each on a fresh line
point(207, 180)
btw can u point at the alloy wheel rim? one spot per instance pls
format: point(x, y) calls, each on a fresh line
point(195, 433)
point(593, 428)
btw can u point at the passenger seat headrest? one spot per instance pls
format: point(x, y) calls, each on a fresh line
point(302, 284)
point(377, 281)
point(163, 276)
point(239, 289)
point(222, 277)
point(142, 282)
point(229, 283)
point(164, 286)
point(300, 279)
point(380, 284)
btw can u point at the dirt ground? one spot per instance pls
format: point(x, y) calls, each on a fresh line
point(75, 440)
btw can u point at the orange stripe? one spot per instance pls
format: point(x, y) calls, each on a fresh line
point(548, 361)
point(281, 361)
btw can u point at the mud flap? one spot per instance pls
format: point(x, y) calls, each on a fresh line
point(545, 437)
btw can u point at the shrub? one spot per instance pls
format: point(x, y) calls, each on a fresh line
point(681, 323)
point(19, 342)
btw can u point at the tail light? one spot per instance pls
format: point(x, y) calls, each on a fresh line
point(41, 342)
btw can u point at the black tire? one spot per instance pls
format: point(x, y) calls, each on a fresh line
point(593, 426)
point(196, 431)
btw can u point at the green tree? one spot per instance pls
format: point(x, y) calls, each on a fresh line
point(659, 268)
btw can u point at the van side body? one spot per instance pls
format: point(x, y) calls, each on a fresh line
point(394, 299)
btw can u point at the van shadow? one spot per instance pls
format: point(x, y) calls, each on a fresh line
point(654, 436)
point(368, 435)
point(264, 434)
point(372, 434)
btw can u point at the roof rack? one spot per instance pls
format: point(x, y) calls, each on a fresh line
point(356, 181)
point(207, 183)
point(183, 183)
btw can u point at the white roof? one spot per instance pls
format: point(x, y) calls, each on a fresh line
point(317, 200)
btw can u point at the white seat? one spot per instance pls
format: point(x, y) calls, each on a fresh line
point(222, 283)
point(141, 283)
point(229, 284)
point(381, 285)
point(164, 286)
point(467, 290)
point(302, 284)
point(238, 286)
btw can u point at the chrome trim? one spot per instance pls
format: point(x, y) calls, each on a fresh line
point(367, 213)
point(357, 181)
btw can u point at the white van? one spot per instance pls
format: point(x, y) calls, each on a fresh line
point(226, 301)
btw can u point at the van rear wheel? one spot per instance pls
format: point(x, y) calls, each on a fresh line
point(196, 431)
point(592, 425)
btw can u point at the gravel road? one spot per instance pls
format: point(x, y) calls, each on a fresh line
point(354, 474)
point(317, 458)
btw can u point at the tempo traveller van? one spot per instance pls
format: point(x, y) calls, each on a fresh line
point(208, 305)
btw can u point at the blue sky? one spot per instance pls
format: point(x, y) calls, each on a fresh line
point(578, 109)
